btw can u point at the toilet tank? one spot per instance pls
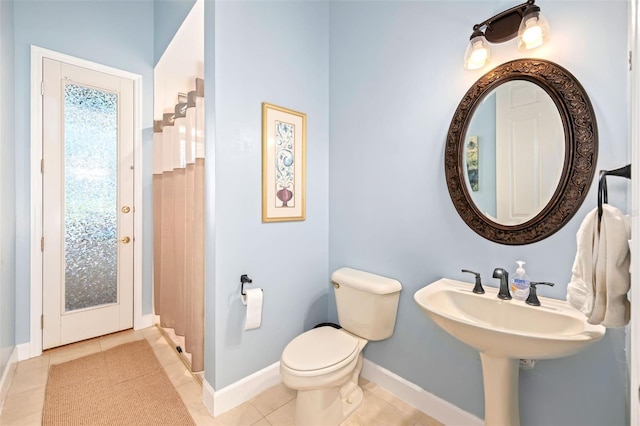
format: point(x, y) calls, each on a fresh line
point(367, 303)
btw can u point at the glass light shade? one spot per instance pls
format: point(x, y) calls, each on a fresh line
point(477, 54)
point(533, 31)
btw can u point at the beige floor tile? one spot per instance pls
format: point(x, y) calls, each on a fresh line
point(202, 417)
point(33, 419)
point(150, 332)
point(191, 394)
point(413, 413)
point(424, 420)
point(393, 400)
point(375, 411)
point(273, 398)
point(33, 363)
point(243, 415)
point(166, 354)
point(74, 351)
point(116, 339)
point(178, 373)
point(22, 404)
point(157, 341)
point(27, 380)
point(262, 422)
point(283, 416)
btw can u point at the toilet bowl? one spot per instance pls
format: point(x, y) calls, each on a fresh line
point(323, 364)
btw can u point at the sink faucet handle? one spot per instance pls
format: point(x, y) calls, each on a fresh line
point(533, 296)
point(478, 287)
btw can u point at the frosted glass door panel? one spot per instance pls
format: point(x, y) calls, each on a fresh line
point(90, 197)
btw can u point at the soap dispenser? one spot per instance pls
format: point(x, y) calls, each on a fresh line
point(520, 283)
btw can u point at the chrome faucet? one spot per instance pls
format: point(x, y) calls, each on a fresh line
point(504, 283)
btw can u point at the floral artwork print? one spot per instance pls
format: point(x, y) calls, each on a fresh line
point(285, 154)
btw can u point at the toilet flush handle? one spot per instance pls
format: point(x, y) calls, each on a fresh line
point(335, 285)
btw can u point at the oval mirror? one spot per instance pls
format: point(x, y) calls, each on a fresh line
point(521, 151)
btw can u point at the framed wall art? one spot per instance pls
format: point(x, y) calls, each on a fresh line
point(283, 164)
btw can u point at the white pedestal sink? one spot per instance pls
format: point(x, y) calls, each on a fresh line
point(504, 331)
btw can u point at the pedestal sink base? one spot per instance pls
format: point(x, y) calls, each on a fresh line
point(500, 377)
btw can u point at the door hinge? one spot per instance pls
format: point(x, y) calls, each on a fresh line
point(42, 322)
point(42, 166)
point(42, 88)
point(41, 243)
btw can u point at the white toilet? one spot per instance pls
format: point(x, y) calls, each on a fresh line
point(323, 364)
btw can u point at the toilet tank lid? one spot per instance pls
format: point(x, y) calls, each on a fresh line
point(366, 281)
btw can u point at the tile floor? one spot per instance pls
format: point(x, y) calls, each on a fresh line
point(275, 406)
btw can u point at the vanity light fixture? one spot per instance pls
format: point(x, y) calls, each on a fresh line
point(524, 21)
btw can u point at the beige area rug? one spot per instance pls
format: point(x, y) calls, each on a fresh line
point(125, 385)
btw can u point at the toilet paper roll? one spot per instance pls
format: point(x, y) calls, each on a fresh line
point(253, 300)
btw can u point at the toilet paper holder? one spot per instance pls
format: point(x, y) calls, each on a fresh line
point(244, 279)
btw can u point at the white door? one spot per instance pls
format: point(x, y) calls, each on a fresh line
point(529, 151)
point(87, 224)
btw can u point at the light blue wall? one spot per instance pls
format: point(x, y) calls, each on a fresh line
point(117, 34)
point(168, 15)
point(7, 189)
point(396, 78)
point(276, 52)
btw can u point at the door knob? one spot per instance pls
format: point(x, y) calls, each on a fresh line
point(126, 209)
point(125, 240)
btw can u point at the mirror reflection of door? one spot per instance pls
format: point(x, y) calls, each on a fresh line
point(87, 203)
point(521, 152)
point(529, 151)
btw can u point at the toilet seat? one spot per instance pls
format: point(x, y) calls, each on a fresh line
point(320, 351)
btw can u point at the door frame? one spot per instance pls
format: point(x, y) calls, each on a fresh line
point(633, 344)
point(37, 54)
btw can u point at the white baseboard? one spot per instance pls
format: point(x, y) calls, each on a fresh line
point(414, 395)
point(24, 351)
point(208, 396)
point(143, 321)
point(218, 402)
point(7, 374)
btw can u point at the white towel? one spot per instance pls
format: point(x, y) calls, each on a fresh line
point(611, 306)
point(601, 279)
point(580, 289)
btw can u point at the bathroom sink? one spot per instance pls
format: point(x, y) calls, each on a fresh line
point(507, 328)
point(505, 331)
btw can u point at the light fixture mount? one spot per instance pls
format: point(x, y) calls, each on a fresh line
point(504, 26)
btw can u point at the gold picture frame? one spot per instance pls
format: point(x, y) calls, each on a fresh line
point(283, 164)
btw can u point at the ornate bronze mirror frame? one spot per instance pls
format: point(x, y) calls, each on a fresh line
point(581, 151)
